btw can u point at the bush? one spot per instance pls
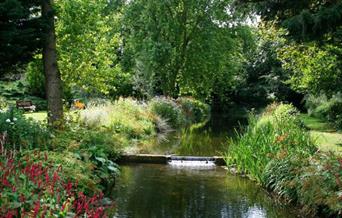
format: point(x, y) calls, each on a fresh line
point(315, 182)
point(3, 103)
point(167, 109)
point(277, 152)
point(276, 133)
point(35, 77)
point(194, 110)
point(124, 116)
point(23, 133)
point(329, 109)
point(30, 188)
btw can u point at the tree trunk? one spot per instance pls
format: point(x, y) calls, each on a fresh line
point(52, 75)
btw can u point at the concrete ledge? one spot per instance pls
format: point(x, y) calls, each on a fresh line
point(164, 159)
point(143, 158)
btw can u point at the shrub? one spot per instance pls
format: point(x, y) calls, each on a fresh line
point(194, 110)
point(167, 109)
point(276, 133)
point(329, 109)
point(124, 116)
point(315, 182)
point(3, 103)
point(38, 189)
point(87, 155)
point(35, 77)
point(22, 132)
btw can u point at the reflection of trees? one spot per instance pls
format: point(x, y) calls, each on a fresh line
point(159, 191)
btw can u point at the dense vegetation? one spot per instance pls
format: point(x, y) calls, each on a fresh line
point(279, 153)
point(112, 75)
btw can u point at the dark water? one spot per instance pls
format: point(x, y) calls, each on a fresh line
point(147, 190)
point(206, 139)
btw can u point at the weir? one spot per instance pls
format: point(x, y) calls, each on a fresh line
point(172, 159)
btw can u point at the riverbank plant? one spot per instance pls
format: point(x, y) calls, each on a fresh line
point(30, 188)
point(315, 181)
point(124, 116)
point(275, 133)
point(276, 151)
point(194, 110)
point(169, 110)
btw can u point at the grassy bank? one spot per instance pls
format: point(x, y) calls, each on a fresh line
point(79, 158)
point(326, 135)
point(277, 152)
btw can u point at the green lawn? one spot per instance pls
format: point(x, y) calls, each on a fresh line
point(38, 116)
point(327, 137)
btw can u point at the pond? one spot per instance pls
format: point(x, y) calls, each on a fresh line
point(206, 139)
point(153, 190)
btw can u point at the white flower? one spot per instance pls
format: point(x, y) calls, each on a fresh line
point(15, 119)
point(8, 121)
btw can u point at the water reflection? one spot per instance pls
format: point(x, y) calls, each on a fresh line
point(205, 139)
point(165, 191)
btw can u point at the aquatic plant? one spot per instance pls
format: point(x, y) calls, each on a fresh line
point(277, 151)
point(277, 132)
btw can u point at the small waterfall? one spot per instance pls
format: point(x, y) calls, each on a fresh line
point(191, 162)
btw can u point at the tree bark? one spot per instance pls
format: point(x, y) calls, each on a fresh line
point(52, 74)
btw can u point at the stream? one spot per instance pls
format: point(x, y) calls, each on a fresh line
point(195, 190)
point(155, 190)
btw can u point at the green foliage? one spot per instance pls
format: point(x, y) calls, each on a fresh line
point(88, 42)
point(167, 109)
point(314, 182)
point(18, 90)
point(314, 69)
point(265, 78)
point(184, 47)
point(305, 20)
point(276, 133)
point(31, 187)
point(3, 103)
point(23, 133)
point(35, 77)
point(277, 152)
point(194, 110)
point(124, 116)
point(326, 108)
point(20, 32)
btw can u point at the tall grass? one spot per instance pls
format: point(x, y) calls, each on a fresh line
point(277, 132)
point(126, 116)
point(278, 153)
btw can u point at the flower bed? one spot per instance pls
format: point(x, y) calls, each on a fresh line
point(38, 189)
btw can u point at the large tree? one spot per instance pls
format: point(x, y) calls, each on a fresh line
point(52, 75)
point(20, 32)
point(192, 47)
point(88, 44)
point(305, 19)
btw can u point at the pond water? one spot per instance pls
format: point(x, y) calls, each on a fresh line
point(206, 139)
point(153, 190)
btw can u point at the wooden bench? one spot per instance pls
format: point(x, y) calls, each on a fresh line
point(25, 105)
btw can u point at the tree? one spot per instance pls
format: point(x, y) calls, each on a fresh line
point(88, 34)
point(315, 69)
point(184, 47)
point(20, 32)
point(304, 19)
point(52, 75)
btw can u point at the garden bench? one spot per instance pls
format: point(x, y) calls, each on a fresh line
point(25, 105)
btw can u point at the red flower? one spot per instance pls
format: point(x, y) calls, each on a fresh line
point(36, 208)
